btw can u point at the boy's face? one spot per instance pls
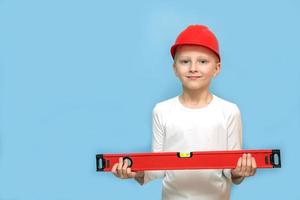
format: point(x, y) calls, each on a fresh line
point(195, 66)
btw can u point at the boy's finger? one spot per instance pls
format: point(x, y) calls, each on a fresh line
point(120, 163)
point(238, 167)
point(239, 164)
point(244, 164)
point(113, 169)
point(254, 166)
point(130, 174)
point(254, 163)
point(119, 168)
point(124, 168)
point(128, 171)
point(125, 164)
point(237, 170)
point(249, 165)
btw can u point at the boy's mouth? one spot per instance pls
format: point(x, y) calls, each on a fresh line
point(193, 77)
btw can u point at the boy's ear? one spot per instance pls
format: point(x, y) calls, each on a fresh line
point(174, 68)
point(217, 69)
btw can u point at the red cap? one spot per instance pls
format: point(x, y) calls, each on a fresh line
point(197, 35)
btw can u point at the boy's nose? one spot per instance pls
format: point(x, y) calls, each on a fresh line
point(193, 67)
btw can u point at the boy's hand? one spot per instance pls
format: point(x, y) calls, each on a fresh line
point(246, 166)
point(121, 170)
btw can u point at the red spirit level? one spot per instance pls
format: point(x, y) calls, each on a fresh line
point(191, 160)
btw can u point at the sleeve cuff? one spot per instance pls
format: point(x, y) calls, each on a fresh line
point(227, 173)
point(151, 175)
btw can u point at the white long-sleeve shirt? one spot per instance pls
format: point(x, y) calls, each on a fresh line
point(177, 128)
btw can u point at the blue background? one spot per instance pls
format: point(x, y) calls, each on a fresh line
point(79, 78)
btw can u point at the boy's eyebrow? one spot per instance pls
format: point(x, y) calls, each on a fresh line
point(183, 56)
point(198, 57)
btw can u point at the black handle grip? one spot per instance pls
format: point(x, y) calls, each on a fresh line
point(100, 162)
point(129, 161)
point(275, 158)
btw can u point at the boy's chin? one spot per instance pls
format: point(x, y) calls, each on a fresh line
point(194, 88)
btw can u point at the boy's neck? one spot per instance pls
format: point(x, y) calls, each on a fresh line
point(196, 99)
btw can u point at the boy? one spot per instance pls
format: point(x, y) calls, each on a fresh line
point(197, 120)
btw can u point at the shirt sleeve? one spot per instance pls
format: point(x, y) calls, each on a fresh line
point(234, 131)
point(157, 144)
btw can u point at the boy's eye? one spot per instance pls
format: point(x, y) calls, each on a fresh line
point(184, 61)
point(203, 61)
